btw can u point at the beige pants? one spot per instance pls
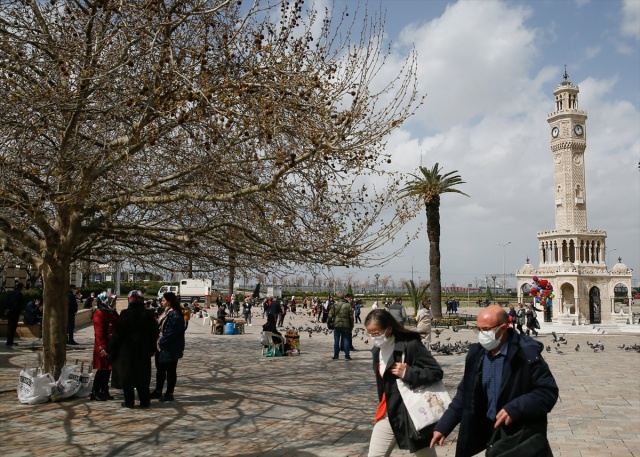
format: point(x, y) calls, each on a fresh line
point(383, 442)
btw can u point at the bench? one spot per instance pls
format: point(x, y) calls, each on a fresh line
point(83, 317)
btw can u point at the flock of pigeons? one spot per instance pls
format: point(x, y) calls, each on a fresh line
point(460, 347)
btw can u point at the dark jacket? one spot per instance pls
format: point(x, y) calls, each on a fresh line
point(422, 370)
point(275, 308)
point(132, 344)
point(32, 314)
point(342, 314)
point(528, 393)
point(15, 305)
point(73, 304)
point(171, 342)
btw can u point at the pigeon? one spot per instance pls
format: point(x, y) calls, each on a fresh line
point(455, 329)
point(577, 347)
point(559, 351)
point(563, 341)
point(555, 337)
point(548, 348)
point(366, 341)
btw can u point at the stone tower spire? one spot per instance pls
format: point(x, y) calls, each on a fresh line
point(568, 142)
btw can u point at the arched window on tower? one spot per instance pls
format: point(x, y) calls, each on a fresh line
point(572, 251)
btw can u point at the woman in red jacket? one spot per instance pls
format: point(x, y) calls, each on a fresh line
point(104, 320)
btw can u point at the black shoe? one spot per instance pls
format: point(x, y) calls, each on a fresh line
point(127, 405)
point(347, 358)
point(155, 395)
point(166, 397)
point(334, 358)
point(97, 396)
point(105, 394)
point(73, 343)
point(12, 344)
point(145, 405)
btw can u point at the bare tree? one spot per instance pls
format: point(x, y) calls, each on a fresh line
point(385, 282)
point(138, 129)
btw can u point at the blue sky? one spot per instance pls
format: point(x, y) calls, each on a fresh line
point(489, 69)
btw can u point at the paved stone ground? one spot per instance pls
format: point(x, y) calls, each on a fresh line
point(231, 401)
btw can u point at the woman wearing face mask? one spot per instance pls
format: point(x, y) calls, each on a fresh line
point(390, 342)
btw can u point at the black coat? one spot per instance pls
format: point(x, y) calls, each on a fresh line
point(132, 344)
point(15, 305)
point(422, 370)
point(73, 304)
point(528, 392)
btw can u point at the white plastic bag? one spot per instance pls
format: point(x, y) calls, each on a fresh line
point(85, 380)
point(34, 388)
point(68, 384)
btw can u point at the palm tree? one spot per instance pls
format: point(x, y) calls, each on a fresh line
point(428, 187)
point(417, 293)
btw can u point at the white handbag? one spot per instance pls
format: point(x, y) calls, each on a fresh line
point(425, 404)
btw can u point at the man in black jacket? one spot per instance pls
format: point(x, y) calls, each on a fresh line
point(14, 308)
point(506, 382)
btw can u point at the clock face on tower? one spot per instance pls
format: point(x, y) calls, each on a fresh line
point(578, 130)
point(555, 132)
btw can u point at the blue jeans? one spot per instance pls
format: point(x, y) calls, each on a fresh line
point(343, 334)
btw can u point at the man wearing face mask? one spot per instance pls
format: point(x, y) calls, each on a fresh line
point(506, 382)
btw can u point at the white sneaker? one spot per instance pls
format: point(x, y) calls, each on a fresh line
point(250, 325)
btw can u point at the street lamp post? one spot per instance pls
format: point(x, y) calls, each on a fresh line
point(377, 296)
point(504, 273)
point(412, 257)
point(494, 288)
point(609, 256)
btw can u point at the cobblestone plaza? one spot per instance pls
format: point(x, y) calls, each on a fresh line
point(231, 401)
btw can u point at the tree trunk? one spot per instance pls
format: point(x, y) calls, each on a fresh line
point(55, 280)
point(433, 232)
point(232, 269)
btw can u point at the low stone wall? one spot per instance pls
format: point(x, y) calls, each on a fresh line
point(83, 317)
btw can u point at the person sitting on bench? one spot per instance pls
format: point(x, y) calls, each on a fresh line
point(221, 319)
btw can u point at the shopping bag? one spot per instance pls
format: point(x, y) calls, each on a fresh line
point(34, 388)
point(85, 380)
point(68, 384)
point(425, 404)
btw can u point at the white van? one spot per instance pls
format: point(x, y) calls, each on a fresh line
point(192, 290)
point(167, 288)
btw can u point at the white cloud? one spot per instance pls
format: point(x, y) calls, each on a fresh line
point(469, 60)
point(631, 18)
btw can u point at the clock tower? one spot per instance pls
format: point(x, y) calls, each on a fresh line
point(568, 142)
point(573, 257)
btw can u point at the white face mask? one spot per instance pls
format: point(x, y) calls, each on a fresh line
point(488, 339)
point(383, 341)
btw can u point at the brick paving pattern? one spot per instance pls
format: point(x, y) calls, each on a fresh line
point(231, 401)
